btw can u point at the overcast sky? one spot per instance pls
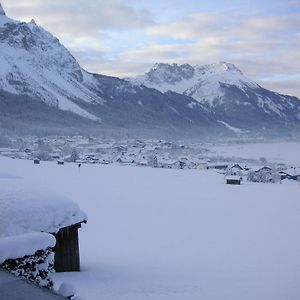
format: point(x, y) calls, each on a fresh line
point(125, 38)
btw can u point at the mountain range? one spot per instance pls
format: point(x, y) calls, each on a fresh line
point(43, 87)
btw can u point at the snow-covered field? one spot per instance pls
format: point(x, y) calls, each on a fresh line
point(278, 152)
point(175, 234)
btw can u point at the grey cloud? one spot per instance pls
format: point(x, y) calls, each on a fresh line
point(80, 17)
point(283, 86)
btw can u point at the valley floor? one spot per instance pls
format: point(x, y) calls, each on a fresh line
point(175, 234)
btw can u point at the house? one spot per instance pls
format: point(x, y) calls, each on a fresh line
point(282, 175)
point(36, 161)
point(262, 174)
point(235, 180)
point(50, 213)
point(292, 173)
point(217, 166)
point(236, 166)
point(264, 169)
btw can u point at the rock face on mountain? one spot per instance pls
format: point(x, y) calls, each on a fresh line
point(236, 100)
point(43, 86)
point(2, 12)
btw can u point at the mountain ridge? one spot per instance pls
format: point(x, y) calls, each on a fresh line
point(224, 88)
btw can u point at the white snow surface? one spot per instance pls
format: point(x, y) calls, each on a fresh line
point(176, 234)
point(275, 152)
point(25, 209)
point(27, 244)
point(232, 128)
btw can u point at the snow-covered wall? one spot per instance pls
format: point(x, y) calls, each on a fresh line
point(29, 256)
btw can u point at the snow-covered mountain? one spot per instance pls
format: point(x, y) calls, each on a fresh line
point(34, 63)
point(236, 100)
point(43, 86)
point(40, 77)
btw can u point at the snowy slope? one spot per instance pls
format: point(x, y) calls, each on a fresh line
point(237, 100)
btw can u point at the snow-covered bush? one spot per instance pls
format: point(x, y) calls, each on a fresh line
point(262, 177)
point(74, 155)
point(152, 161)
point(36, 268)
point(43, 155)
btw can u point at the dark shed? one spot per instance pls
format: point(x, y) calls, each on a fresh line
point(235, 180)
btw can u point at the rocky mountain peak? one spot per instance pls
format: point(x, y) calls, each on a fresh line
point(2, 12)
point(170, 73)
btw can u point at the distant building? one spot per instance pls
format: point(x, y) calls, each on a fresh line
point(235, 180)
point(292, 173)
point(217, 166)
point(263, 174)
point(36, 161)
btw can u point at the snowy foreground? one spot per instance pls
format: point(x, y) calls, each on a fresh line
point(175, 234)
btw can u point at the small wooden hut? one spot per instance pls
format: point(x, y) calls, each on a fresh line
point(235, 180)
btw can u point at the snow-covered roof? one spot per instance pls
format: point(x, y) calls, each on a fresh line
point(233, 177)
point(258, 168)
point(293, 171)
point(24, 210)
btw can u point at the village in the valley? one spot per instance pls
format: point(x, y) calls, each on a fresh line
point(147, 153)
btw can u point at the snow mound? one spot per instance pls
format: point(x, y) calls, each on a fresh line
point(24, 210)
point(66, 290)
point(27, 244)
